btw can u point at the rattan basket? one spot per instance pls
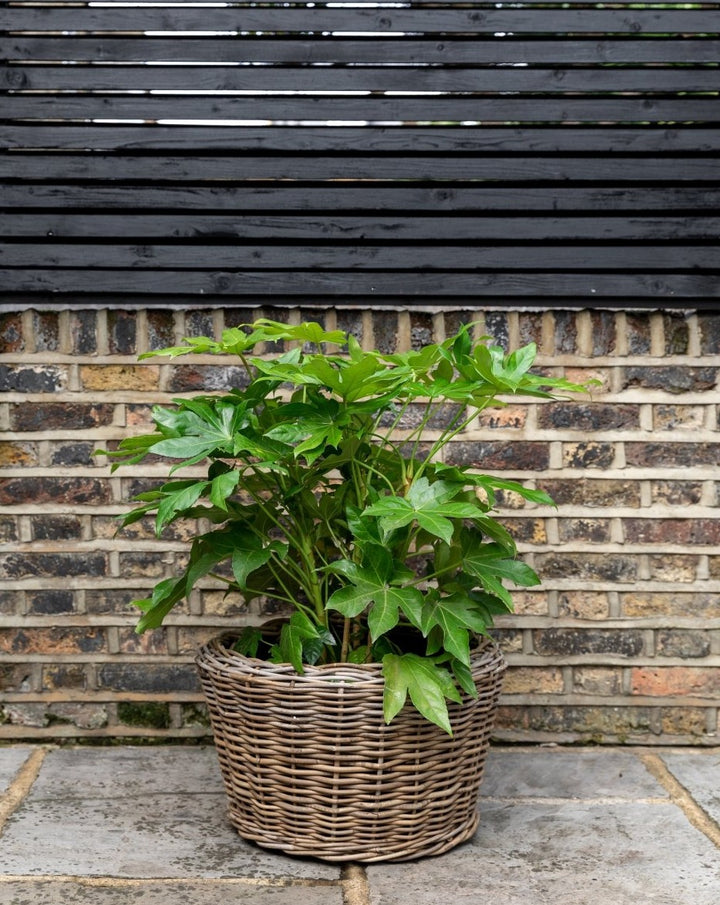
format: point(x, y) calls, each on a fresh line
point(311, 768)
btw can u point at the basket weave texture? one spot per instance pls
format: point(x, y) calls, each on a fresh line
point(311, 769)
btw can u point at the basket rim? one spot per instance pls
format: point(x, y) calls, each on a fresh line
point(485, 659)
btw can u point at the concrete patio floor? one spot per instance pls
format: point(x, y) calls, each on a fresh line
point(558, 826)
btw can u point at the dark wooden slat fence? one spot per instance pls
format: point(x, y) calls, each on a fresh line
point(511, 153)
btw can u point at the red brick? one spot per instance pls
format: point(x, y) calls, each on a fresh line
point(588, 417)
point(11, 333)
point(673, 681)
point(603, 332)
point(672, 455)
point(516, 455)
point(672, 531)
point(52, 640)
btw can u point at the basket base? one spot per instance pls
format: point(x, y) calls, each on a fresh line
point(298, 847)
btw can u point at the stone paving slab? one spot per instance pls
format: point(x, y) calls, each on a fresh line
point(566, 773)
point(59, 892)
point(699, 773)
point(572, 853)
point(126, 771)
point(11, 759)
point(123, 812)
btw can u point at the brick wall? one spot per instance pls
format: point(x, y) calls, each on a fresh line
point(621, 642)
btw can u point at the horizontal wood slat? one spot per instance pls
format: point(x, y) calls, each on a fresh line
point(414, 51)
point(449, 150)
point(366, 257)
point(358, 197)
point(231, 170)
point(508, 138)
point(368, 284)
point(369, 228)
point(316, 110)
point(320, 19)
point(195, 80)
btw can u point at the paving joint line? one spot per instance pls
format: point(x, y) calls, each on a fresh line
point(134, 882)
point(21, 784)
point(680, 796)
point(355, 886)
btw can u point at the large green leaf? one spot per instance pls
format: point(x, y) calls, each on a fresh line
point(223, 486)
point(429, 504)
point(249, 554)
point(427, 684)
point(489, 564)
point(377, 585)
point(301, 641)
point(456, 616)
point(310, 428)
point(307, 332)
point(177, 497)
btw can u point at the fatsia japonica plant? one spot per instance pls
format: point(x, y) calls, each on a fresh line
point(325, 490)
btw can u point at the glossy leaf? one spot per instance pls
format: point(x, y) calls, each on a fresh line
point(430, 505)
point(427, 684)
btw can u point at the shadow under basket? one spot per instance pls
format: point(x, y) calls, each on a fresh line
point(311, 769)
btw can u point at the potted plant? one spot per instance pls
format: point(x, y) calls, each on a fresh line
point(356, 727)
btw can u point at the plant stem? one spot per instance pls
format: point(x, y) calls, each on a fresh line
point(345, 641)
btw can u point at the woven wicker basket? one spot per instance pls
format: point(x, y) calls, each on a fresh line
point(311, 768)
